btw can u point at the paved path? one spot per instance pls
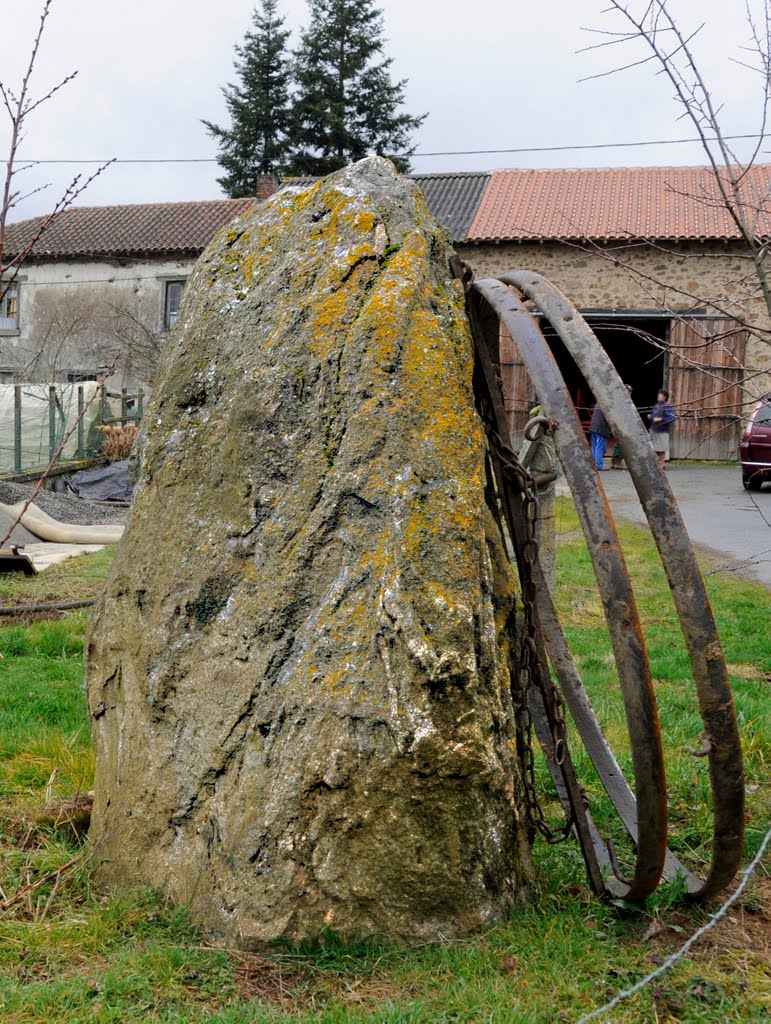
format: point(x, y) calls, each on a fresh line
point(719, 514)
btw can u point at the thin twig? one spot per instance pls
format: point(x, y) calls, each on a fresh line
point(36, 609)
point(32, 887)
point(19, 107)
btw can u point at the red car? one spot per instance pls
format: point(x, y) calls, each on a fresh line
point(755, 446)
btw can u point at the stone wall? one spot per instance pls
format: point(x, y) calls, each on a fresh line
point(712, 276)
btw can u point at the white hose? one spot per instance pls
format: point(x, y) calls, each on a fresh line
point(42, 525)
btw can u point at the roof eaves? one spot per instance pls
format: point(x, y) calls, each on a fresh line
point(111, 254)
point(604, 239)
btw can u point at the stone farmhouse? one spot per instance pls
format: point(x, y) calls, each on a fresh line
point(102, 280)
point(649, 255)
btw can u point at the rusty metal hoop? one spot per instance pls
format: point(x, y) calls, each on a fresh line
point(679, 561)
point(650, 811)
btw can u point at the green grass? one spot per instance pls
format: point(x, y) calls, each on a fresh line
point(742, 612)
point(43, 728)
point(70, 953)
point(75, 579)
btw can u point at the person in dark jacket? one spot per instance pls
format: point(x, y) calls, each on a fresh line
point(662, 416)
point(599, 432)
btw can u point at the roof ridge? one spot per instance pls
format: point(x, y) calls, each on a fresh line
point(625, 169)
point(135, 206)
point(449, 174)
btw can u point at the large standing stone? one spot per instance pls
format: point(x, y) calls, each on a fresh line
point(297, 674)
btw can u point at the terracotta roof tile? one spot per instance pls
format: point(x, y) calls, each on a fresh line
point(176, 229)
point(144, 229)
point(518, 205)
point(663, 203)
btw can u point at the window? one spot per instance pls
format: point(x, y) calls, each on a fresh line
point(77, 376)
point(9, 307)
point(172, 299)
point(763, 415)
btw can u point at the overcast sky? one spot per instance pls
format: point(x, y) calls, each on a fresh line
point(490, 74)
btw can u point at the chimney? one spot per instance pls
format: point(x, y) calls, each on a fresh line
point(267, 184)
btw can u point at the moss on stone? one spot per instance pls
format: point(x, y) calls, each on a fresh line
point(327, 596)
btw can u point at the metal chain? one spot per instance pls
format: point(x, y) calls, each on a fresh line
point(529, 670)
point(529, 674)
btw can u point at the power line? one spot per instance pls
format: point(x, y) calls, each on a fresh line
point(593, 145)
point(448, 152)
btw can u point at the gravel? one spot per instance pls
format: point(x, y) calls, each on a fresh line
point(64, 507)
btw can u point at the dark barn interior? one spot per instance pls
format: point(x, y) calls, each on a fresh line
point(636, 346)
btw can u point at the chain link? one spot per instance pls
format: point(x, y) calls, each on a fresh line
point(529, 674)
point(529, 671)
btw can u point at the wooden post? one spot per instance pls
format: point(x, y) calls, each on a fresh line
point(81, 406)
point(17, 428)
point(51, 420)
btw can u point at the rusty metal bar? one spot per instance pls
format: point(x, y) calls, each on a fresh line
point(682, 570)
point(542, 699)
point(620, 608)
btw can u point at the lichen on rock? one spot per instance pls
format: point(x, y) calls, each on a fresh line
point(298, 673)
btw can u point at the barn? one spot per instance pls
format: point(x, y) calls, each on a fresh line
point(653, 259)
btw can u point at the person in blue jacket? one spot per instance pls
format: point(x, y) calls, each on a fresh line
point(662, 416)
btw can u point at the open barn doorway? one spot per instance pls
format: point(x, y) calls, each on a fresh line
point(637, 348)
point(636, 344)
point(699, 359)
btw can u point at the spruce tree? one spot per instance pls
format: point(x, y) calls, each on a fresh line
point(256, 142)
point(346, 104)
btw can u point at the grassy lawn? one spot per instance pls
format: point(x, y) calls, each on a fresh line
point(75, 579)
point(71, 953)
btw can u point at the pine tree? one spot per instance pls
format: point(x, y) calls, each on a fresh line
point(256, 142)
point(346, 104)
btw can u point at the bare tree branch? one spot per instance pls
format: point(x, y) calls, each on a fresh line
point(19, 106)
point(654, 28)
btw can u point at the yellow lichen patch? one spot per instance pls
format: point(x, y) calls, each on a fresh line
point(327, 318)
point(287, 203)
point(363, 221)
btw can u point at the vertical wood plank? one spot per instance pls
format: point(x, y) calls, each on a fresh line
point(705, 373)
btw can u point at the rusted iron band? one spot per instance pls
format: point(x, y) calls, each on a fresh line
point(621, 612)
point(682, 570)
point(596, 859)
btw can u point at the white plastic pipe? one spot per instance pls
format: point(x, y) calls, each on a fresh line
point(47, 528)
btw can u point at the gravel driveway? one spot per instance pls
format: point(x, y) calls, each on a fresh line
point(733, 524)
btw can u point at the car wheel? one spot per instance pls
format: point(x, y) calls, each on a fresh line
point(752, 483)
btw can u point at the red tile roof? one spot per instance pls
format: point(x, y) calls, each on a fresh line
point(145, 229)
point(663, 203)
point(172, 229)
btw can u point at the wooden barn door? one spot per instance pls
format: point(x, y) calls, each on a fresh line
point(705, 373)
point(518, 392)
